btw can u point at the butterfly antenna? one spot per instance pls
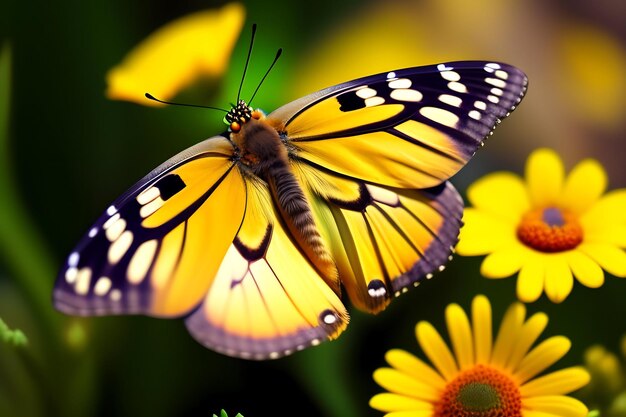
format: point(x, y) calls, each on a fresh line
point(278, 53)
point(153, 98)
point(247, 61)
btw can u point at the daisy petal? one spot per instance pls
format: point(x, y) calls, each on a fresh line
point(460, 336)
point(399, 383)
point(411, 365)
point(482, 233)
point(544, 174)
point(532, 413)
point(504, 262)
point(436, 349)
point(507, 334)
point(609, 257)
point(559, 405)
point(542, 356)
point(411, 413)
point(531, 279)
point(559, 279)
point(556, 383)
point(485, 194)
point(393, 402)
point(528, 335)
point(584, 186)
point(481, 323)
point(586, 271)
point(611, 206)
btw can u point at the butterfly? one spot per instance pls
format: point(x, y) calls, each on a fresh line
point(252, 235)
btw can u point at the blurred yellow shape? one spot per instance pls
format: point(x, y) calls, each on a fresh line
point(177, 54)
point(592, 74)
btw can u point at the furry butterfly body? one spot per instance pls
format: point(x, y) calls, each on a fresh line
point(253, 235)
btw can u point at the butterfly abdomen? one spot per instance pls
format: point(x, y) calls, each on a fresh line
point(265, 154)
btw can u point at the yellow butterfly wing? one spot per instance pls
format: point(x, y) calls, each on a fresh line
point(267, 299)
point(157, 248)
point(410, 128)
point(383, 240)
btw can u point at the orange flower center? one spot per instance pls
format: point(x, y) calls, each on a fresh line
point(481, 391)
point(550, 230)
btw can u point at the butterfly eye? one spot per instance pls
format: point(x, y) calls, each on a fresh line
point(256, 114)
point(235, 127)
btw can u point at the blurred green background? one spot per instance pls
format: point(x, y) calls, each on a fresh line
point(68, 151)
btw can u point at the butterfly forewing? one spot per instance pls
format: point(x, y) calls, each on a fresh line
point(410, 128)
point(156, 249)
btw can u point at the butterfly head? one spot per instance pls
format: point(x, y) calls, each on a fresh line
point(240, 114)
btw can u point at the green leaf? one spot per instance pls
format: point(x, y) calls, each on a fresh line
point(15, 337)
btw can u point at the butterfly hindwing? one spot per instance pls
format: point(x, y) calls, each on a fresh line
point(267, 299)
point(410, 128)
point(156, 249)
point(384, 240)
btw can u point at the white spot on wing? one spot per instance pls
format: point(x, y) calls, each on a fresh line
point(115, 230)
point(151, 207)
point(450, 75)
point(493, 99)
point(391, 75)
point(83, 279)
point(442, 67)
point(111, 210)
point(374, 101)
point(496, 82)
point(497, 91)
point(451, 100)
point(493, 65)
point(400, 83)
point(148, 195)
point(141, 261)
point(119, 247)
point(116, 295)
point(502, 74)
point(73, 259)
point(481, 105)
point(366, 92)
point(406, 95)
point(441, 116)
point(70, 275)
point(457, 86)
point(329, 318)
point(110, 221)
point(93, 231)
point(383, 195)
point(102, 287)
point(474, 114)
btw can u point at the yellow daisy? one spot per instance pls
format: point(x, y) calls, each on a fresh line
point(550, 228)
point(177, 54)
point(480, 377)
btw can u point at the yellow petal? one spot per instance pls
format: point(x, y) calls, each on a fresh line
point(584, 186)
point(483, 233)
point(559, 279)
point(410, 365)
point(481, 324)
point(586, 271)
point(609, 257)
point(542, 356)
point(394, 402)
point(177, 54)
point(411, 413)
point(612, 206)
point(436, 350)
point(504, 262)
point(508, 334)
point(559, 405)
point(544, 174)
point(556, 383)
point(531, 279)
point(501, 194)
point(532, 413)
point(400, 383)
point(605, 221)
point(460, 336)
point(529, 333)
